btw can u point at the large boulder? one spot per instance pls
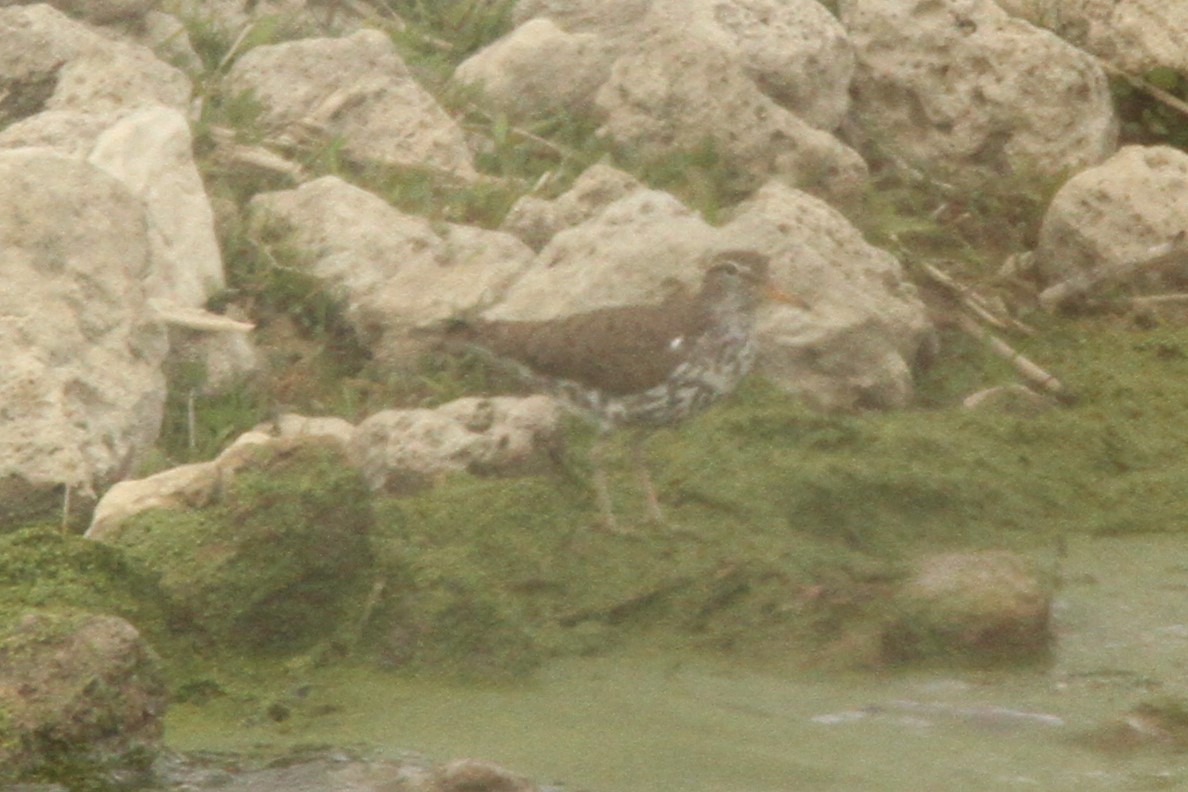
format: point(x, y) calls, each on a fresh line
point(539, 69)
point(760, 80)
point(536, 220)
point(1135, 35)
point(100, 12)
point(267, 556)
point(80, 694)
point(961, 90)
point(859, 345)
point(715, 101)
point(1103, 224)
point(52, 62)
point(632, 252)
point(150, 150)
point(396, 272)
point(81, 385)
point(793, 50)
point(356, 89)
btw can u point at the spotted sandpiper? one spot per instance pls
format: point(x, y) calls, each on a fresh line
point(641, 365)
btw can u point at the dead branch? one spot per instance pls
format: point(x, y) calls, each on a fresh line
point(1022, 364)
point(1158, 299)
point(1156, 257)
point(1154, 91)
point(974, 302)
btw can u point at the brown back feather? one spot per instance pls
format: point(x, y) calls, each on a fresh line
point(619, 350)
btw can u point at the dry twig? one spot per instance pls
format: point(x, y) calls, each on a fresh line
point(1024, 365)
point(1162, 255)
point(974, 302)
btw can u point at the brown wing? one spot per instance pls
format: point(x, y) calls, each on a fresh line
point(617, 350)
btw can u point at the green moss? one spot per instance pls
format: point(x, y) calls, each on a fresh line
point(273, 563)
point(40, 567)
point(80, 699)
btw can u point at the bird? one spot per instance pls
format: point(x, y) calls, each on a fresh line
point(641, 366)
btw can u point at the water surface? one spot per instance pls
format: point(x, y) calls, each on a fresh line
point(646, 721)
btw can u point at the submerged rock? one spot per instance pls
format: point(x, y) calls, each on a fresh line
point(984, 605)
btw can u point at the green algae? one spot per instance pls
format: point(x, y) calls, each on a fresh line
point(785, 526)
point(269, 564)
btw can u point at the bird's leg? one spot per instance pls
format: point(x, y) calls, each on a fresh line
point(602, 485)
point(645, 478)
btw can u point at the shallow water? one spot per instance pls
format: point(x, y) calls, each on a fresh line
point(644, 722)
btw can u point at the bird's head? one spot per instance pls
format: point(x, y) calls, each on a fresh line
point(744, 275)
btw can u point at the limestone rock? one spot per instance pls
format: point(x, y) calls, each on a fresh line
point(260, 548)
point(193, 486)
point(1135, 35)
point(151, 152)
point(761, 79)
point(402, 451)
point(794, 51)
point(82, 680)
point(610, 18)
point(81, 390)
point(635, 251)
point(990, 604)
point(292, 425)
point(856, 348)
point(539, 69)
point(100, 12)
point(354, 88)
point(960, 89)
point(536, 220)
point(1107, 217)
point(645, 108)
point(397, 272)
point(75, 68)
point(858, 345)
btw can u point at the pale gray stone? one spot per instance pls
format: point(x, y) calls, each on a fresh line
point(82, 69)
point(1108, 218)
point(356, 89)
point(397, 272)
point(961, 90)
point(858, 345)
point(81, 389)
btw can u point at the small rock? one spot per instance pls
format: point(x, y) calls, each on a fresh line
point(1015, 399)
point(984, 605)
point(473, 775)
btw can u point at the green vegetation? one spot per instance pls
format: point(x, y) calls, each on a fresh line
point(1148, 117)
point(264, 566)
point(43, 568)
point(788, 527)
